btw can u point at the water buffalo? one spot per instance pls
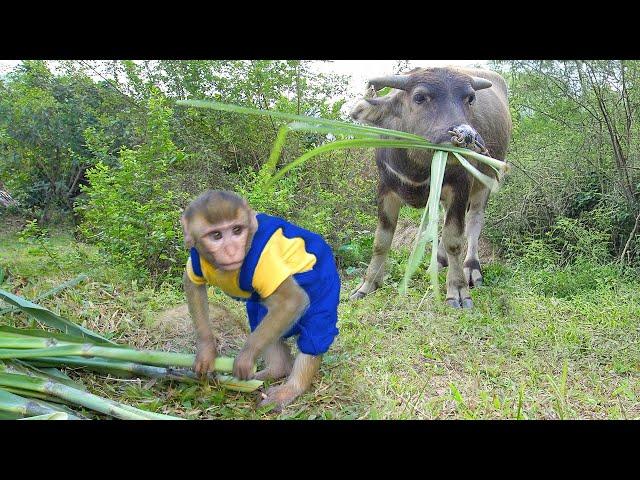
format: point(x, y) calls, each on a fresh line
point(459, 106)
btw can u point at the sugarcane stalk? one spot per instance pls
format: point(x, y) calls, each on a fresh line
point(28, 393)
point(18, 366)
point(54, 402)
point(9, 402)
point(134, 369)
point(13, 347)
point(51, 416)
point(6, 331)
point(32, 348)
point(85, 399)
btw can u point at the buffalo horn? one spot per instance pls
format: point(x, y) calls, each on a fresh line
point(393, 81)
point(478, 83)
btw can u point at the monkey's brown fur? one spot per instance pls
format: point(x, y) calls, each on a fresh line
point(285, 306)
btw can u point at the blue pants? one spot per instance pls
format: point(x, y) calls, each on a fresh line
point(316, 328)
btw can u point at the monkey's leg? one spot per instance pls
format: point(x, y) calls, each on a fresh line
point(304, 369)
point(278, 361)
point(284, 307)
point(475, 220)
point(198, 305)
point(388, 209)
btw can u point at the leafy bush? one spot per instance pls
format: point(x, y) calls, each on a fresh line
point(130, 211)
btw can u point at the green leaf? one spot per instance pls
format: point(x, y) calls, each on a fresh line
point(34, 332)
point(428, 233)
point(71, 283)
point(49, 318)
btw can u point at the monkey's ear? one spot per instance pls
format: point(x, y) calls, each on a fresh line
point(254, 221)
point(188, 238)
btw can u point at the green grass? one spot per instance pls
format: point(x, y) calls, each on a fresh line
point(540, 343)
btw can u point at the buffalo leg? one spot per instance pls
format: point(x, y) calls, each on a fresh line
point(442, 255)
point(474, 223)
point(388, 209)
point(453, 243)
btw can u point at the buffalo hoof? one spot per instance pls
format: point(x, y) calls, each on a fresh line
point(453, 302)
point(357, 295)
point(473, 273)
point(467, 303)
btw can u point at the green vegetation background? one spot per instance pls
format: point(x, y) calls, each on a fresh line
point(101, 170)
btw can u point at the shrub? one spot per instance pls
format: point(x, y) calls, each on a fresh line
point(130, 210)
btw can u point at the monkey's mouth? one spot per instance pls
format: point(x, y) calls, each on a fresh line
point(230, 266)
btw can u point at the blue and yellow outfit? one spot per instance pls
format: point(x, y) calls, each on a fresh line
point(280, 249)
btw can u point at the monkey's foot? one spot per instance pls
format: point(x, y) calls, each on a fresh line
point(271, 373)
point(473, 272)
point(280, 396)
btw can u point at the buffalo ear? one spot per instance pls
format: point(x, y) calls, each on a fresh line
point(371, 111)
point(188, 238)
point(375, 101)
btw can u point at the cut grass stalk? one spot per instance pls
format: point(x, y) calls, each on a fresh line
point(382, 143)
point(430, 232)
point(78, 397)
point(9, 402)
point(365, 137)
point(372, 135)
point(491, 183)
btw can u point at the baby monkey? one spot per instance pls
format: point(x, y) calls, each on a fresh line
point(286, 275)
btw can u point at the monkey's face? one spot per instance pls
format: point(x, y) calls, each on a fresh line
point(223, 244)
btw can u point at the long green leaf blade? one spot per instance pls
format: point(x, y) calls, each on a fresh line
point(430, 233)
point(54, 291)
point(49, 318)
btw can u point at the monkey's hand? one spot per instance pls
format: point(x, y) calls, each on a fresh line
point(205, 356)
point(244, 364)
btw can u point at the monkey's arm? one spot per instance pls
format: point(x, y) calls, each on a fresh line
point(199, 311)
point(285, 305)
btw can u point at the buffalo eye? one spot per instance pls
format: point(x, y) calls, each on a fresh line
point(472, 98)
point(419, 98)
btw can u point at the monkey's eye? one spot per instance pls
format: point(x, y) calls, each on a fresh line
point(237, 230)
point(472, 98)
point(216, 235)
point(419, 98)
